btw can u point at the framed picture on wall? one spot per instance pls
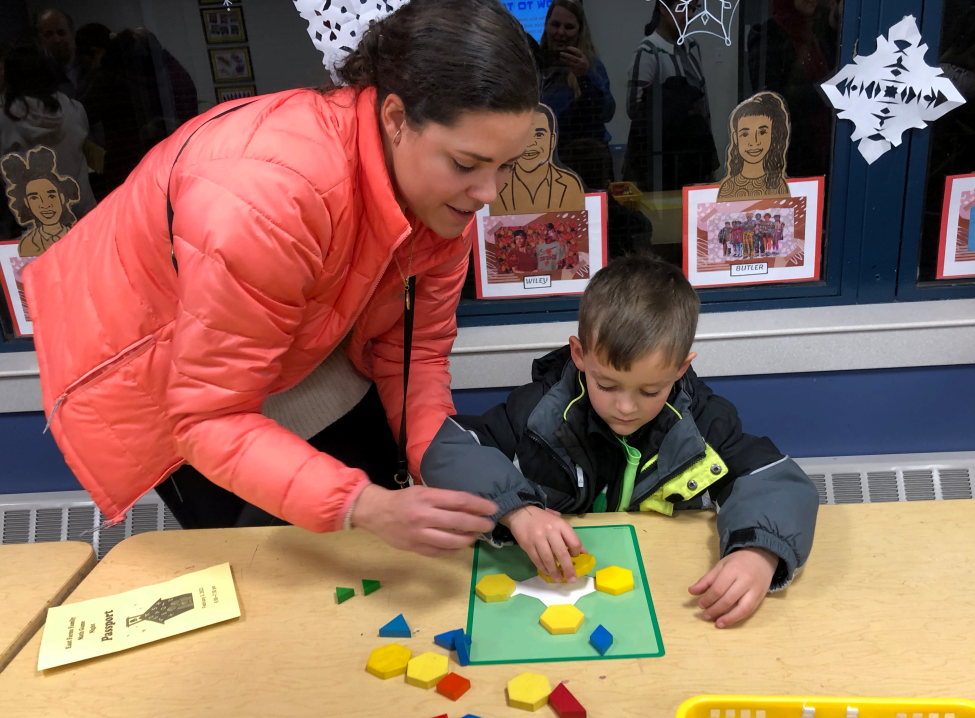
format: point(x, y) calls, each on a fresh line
point(231, 64)
point(235, 93)
point(540, 254)
point(11, 275)
point(754, 240)
point(956, 252)
point(223, 24)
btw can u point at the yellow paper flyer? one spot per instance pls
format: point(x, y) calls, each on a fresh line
point(101, 626)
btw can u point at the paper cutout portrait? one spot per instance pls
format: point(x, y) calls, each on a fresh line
point(538, 183)
point(39, 198)
point(756, 153)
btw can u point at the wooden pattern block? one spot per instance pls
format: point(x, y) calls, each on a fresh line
point(496, 587)
point(601, 639)
point(529, 691)
point(446, 640)
point(462, 644)
point(369, 586)
point(389, 661)
point(343, 594)
point(397, 628)
point(583, 564)
point(427, 670)
point(453, 686)
point(614, 580)
point(562, 619)
point(565, 704)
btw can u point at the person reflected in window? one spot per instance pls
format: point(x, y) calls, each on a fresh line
point(670, 142)
point(56, 35)
point(140, 95)
point(792, 54)
point(33, 113)
point(92, 42)
point(526, 260)
point(575, 83)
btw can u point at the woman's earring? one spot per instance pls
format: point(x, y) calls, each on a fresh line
point(396, 137)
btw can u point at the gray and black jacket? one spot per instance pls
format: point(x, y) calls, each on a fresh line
point(546, 446)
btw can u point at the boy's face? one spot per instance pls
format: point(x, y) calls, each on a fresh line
point(627, 400)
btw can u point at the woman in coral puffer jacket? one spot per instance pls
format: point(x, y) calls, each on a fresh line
point(176, 347)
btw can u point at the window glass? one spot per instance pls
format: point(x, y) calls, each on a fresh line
point(643, 106)
point(952, 142)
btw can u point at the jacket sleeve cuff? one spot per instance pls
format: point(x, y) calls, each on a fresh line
point(344, 519)
point(511, 500)
point(760, 538)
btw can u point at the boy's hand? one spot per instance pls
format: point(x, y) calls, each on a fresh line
point(735, 587)
point(545, 537)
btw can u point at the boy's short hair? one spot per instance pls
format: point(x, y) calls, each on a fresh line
point(637, 305)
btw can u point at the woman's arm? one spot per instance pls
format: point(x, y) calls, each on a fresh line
point(249, 238)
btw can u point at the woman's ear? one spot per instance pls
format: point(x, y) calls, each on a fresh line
point(392, 117)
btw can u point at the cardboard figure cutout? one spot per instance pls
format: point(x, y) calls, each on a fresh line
point(538, 183)
point(39, 198)
point(756, 153)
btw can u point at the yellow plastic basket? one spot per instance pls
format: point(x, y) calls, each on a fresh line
point(626, 193)
point(823, 707)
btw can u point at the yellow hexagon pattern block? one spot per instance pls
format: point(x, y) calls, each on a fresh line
point(496, 587)
point(529, 691)
point(389, 661)
point(426, 670)
point(562, 619)
point(583, 564)
point(614, 580)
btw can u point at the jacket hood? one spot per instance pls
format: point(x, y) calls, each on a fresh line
point(39, 125)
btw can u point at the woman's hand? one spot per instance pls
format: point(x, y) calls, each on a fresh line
point(431, 522)
point(575, 59)
point(546, 538)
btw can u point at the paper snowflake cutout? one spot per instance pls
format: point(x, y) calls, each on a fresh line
point(336, 26)
point(704, 22)
point(889, 92)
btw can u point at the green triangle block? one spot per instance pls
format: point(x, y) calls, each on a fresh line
point(369, 586)
point(344, 594)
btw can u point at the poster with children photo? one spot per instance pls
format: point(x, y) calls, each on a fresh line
point(530, 255)
point(753, 241)
point(956, 253)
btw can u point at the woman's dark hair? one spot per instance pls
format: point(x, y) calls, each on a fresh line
point(28, 73)
point(520, 233)
point(40, 164)
point(444, 58)
point(764, 104)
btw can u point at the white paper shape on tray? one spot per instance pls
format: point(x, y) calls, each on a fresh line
point(336, 26)
point(555, 594)
point(891, 91)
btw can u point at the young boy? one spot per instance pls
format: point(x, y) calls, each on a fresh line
point(617, 421)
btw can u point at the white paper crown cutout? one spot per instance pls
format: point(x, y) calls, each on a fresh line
point(891, 91)
point(336, 26)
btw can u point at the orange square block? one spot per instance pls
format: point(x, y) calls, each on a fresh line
point(453, 686)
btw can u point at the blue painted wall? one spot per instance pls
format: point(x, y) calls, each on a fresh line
point(891, 411)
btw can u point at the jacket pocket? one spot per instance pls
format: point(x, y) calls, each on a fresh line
point(102, 372)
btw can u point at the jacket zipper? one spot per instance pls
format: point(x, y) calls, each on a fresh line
point(558, 459)
point(100, 372)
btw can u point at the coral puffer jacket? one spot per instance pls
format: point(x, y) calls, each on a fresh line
point(285, 227)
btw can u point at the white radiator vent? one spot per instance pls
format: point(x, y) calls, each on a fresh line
point(73, 516)
point(904, 477)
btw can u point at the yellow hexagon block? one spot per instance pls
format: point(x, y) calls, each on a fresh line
point(496, 587)
point(426, 670)
point(562, 619)
point(529, 691)
point(388, 661)
point(614, 580)
point(583, 564)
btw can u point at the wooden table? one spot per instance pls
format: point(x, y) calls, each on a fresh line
point(884, 608)
point(34, 577)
